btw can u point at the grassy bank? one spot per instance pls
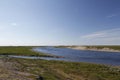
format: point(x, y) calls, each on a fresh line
point(101, 47)
point(20, 50)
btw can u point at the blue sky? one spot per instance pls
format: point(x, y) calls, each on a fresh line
point(59, 22)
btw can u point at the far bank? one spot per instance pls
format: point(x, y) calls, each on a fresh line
point(96, 48)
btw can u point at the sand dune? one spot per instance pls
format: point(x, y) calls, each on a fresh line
point(93, 48)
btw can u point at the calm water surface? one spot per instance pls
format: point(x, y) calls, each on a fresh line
point(111, 58)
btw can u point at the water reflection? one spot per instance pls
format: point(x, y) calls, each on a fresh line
point(112, 58)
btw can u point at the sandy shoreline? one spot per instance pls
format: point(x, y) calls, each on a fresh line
point(93, 49)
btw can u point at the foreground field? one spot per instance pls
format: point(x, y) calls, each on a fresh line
point(33, 69)
point(28, 69)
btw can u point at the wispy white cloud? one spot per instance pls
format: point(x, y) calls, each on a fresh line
point(94, 35)
point(13, 24)
point(103, 34)
point(110, 36)
point(112, 15)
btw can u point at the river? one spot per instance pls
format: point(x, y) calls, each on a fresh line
point(99, 57)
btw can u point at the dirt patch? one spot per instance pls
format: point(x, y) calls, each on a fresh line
point(9, 71)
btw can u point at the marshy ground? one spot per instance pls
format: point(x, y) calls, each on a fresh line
point(33, 69)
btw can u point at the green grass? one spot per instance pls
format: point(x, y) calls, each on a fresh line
point(23, 51)
point(60, 70)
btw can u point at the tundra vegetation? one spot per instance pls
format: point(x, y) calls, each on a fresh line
point(37, 69)
point(101, 47)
